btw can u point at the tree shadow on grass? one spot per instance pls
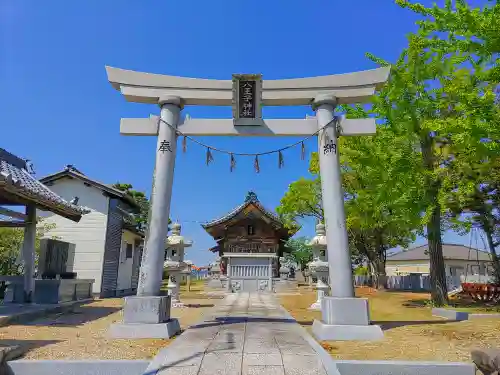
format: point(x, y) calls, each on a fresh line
point(387, 325)
point(464, 304)
point(76, 316)
point(416, 303)
point(18, 348)
point(198, 305)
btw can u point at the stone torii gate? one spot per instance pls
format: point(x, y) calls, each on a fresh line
point(344, 317)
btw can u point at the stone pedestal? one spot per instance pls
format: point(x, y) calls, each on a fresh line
point(215, 283)
point(145, 317)
point(173, 287)
point(284, 271)
point(322, 291)
point(345, 319)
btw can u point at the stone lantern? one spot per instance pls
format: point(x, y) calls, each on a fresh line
point(319, 266)
point(174, 263)
point(214, 274)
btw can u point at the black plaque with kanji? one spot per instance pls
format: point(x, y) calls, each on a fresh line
point(247, 99)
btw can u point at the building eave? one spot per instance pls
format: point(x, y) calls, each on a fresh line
point(112, 192)
point(20, 187)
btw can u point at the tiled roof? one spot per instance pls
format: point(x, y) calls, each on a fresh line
point(251, 199)
point(71, 171)
point(17, 181)
point(450, 251)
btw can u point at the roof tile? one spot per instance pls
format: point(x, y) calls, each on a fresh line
point(13, 172)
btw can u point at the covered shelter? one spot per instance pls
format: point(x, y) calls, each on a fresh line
point(19, 188)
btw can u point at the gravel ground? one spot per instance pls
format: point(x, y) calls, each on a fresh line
point(411, 332)
point(82, 333)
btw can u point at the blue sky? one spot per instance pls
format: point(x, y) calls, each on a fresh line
point(57, 108)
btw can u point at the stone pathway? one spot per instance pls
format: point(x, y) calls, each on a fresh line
point(246, 334)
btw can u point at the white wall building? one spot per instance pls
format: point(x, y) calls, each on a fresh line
point(107, 248)
point(458, 260)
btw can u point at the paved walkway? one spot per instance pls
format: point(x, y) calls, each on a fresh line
point(246, 334)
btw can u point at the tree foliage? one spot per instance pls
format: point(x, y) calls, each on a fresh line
point(300, 251)
point(141, 219)
point(438, 121)
point(451, 71)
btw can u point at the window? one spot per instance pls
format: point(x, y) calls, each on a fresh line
point(129, 251)
point(250, 230)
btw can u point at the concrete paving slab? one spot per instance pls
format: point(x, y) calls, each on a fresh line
point(262, 359)
point(244, 341)
point(191, 370)
point(225, 347)
point(261, 347)
point(263, 370)
point(221, 364)
point(302, 365)
point(297, 349)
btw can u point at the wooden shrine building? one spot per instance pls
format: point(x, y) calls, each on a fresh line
point(250, 240)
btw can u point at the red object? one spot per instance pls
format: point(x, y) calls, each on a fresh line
point(482, 292)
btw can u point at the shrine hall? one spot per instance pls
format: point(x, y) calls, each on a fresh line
point(250, 241)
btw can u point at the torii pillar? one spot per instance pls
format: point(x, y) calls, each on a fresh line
point(344, 317)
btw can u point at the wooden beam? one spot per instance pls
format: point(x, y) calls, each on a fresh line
point(13, 224)
point(13, 214)
point(261, 128)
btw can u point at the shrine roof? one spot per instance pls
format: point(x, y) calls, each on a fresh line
point(251, 199)
point(19, 186)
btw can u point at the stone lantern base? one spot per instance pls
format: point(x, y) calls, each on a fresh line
point(146, 318)
point(345, 319)
point(322, 292)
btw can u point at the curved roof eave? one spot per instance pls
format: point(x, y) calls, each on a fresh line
point(237, 210)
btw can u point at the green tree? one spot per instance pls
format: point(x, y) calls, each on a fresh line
point(447, 82)
point(457, 28)
point(300, 251)
point(474, 201)
point(141, 219)
point(377, 214)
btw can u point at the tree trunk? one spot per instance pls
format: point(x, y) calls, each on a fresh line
point(494, 257)
point(379, 275)
point(439, 290)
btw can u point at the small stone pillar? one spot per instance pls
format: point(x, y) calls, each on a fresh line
point(319, 266)
point(175, 264)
